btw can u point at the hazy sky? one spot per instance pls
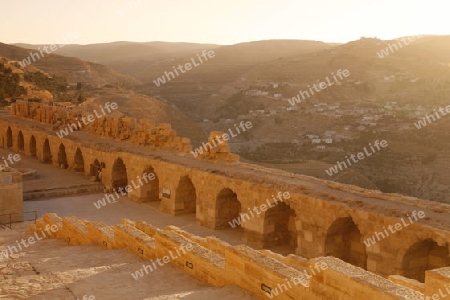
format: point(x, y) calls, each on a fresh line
point(219, 21)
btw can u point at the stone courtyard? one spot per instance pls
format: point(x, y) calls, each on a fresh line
point(51, 269)
point(195, 199)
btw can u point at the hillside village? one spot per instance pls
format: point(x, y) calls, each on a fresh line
point(351, 118)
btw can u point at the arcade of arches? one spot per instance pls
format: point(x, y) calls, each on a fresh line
point(312, 225)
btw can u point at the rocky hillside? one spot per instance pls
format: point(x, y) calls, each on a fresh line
point(33, 84)
point(74, 69)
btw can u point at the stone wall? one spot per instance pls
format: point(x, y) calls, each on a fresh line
point(319, 218)
point(140, 132)
point(263, 273)
point(11, 195)
point(216, 149)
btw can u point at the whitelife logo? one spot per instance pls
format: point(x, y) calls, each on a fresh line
point(319, 87)
point(31, 240)
point(199, 151)
point(129, 6)
point(87, 297)
point(262, 207)
point(423, 122)
point(391, 48)
point(360, 155)
point(398, 226)
point(112, 199)
point(11, 158)
point(90, 118)
point(165, 260)
point(302, 279)
point(188, 66)
point(35, 56)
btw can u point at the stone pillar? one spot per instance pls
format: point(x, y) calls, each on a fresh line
point(11, 196)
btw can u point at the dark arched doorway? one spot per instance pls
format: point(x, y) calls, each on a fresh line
point(186, 197)
point(33, 147)
point(9, 138)
point(345, 241)
point(422, 256)
point(228, 209)
point(20, 141)
point(78, 162)
point(95, 170)
point(62, 157)
point(150, 187)
point(47, 157)
point(279, 227)
point(119, 175)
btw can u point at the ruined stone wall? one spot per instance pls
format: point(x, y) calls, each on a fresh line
point(40, 112)
point(216, 149)
point(140, 132)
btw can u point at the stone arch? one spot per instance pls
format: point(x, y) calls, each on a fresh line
point(78, 162)
point(20, 141)
point(150, 186)
point(119, 175)
point(62, 156)
point(47, 152)
point(345, 241)
point(95, 170)
point(279, 226)
point(228, 209)
point(9, 138)
point(422, 256)
point(185, 197)
point(33, 147)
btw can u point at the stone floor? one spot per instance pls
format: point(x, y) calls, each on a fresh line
point(48, 177)
point(83, 207)
point(51, 269)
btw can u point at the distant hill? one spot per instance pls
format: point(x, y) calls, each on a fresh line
point(230, 61)
point(74, 69)
point(264, 51)
point(31, 84)
point(398, 83)
point(425, 61)
point(146, 61)
point(421, 69)
point(127, 51)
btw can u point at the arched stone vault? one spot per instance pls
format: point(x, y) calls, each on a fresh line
point(185, 196)
point(422, 256)
point(310, 220)
point(9, 138)
point(32, 147)
point(20, 142)
point(345, 241)
point(78, 164)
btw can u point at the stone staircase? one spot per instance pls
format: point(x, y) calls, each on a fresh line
point(54, 269)
point(228, 271)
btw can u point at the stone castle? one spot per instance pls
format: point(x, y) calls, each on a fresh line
point(321, 221)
